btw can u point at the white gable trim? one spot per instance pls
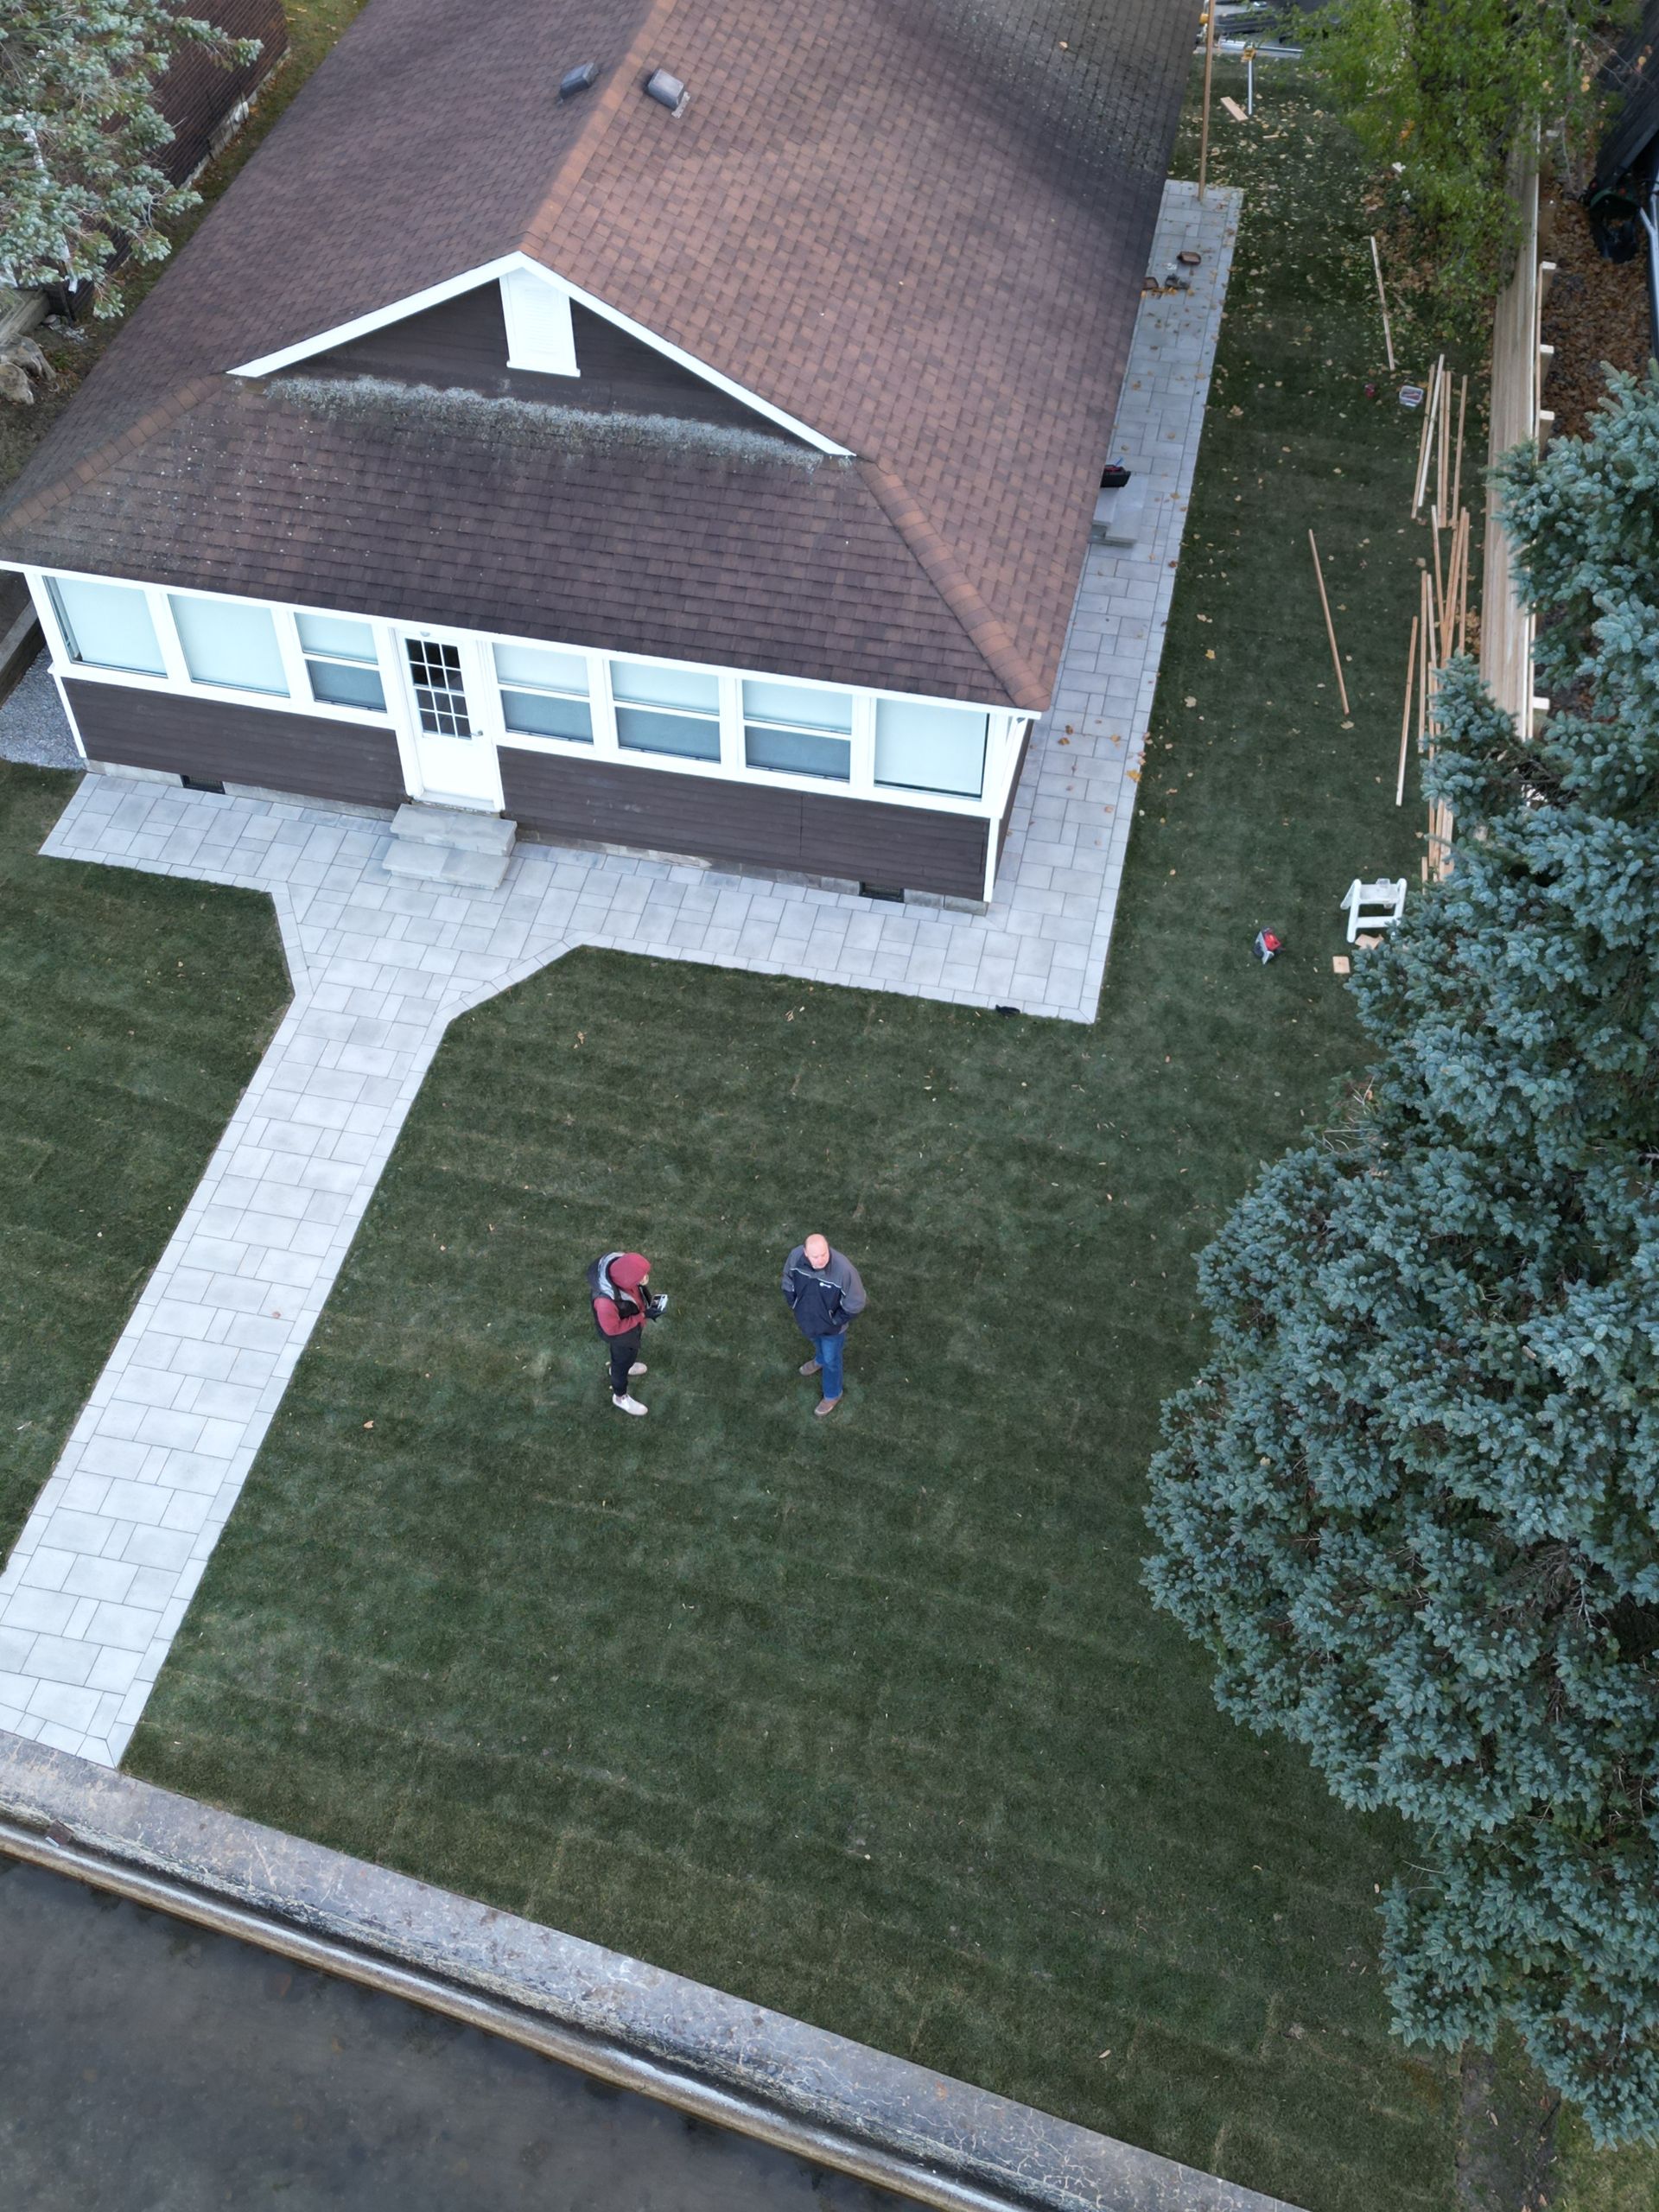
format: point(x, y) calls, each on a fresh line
point(534, 339)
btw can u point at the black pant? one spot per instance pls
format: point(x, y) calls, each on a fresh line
point(624, 1352)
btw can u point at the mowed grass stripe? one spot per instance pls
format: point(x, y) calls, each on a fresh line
point(870, 1720)
point(133, 1010)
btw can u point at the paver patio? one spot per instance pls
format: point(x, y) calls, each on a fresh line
point(101, 1577)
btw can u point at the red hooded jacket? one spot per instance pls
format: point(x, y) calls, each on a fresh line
point(620, 1273)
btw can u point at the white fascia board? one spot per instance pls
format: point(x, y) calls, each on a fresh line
point(698, 368)
point(343, 334)
point(529, 346)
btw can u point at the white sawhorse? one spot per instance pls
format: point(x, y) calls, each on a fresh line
point(1373, 905)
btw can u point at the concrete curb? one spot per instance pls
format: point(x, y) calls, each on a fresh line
point(891, 2123)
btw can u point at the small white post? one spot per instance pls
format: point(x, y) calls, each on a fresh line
point(1249, 80)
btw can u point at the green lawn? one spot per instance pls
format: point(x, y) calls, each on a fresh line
point(133, 1010)
point(870, 1720)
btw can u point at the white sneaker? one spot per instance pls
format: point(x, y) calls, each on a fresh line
point(638, 1368)
point(629, 1405)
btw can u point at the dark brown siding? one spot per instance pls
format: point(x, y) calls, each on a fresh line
point(901, 847)
point(464, 343)
point(217, 744)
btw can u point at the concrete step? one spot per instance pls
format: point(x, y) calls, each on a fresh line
point(439, 864)
point(462, 832)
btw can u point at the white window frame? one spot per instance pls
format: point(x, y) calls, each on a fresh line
point(293, 645)
point(478, 663)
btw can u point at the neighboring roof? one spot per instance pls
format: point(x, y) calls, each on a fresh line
point(198, 95)
point(921, 229)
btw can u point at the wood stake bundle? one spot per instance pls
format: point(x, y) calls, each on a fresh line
point(1383, 301)
point(1330, 626)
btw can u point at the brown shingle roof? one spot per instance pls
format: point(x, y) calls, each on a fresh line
point(919, 227)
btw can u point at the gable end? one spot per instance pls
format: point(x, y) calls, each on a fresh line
point(463, 344)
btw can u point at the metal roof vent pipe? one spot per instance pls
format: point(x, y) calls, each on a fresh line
point(579, 79)
point(667, 90)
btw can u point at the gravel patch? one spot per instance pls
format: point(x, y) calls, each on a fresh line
point(33, 725)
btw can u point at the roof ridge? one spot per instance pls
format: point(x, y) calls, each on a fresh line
point(990, 634)
point(573, 163)
point(166, 410)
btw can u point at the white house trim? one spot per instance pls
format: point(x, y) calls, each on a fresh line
point(1005, 728)
point(532, 333)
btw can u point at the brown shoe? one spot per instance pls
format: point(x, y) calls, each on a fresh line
point(825, 1406)
point(811, 1367)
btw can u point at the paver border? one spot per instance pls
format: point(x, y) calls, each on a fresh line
point(886, 2120)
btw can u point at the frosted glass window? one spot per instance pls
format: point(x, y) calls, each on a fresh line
point(543, 668)
point(225, 643)
point(544, 693)
point(797, 704)
point(930, 749)
point(340, 663)
point(107, 625)
point(641, 690)
point(797, 731)
point(338, 636)
point(645, 684)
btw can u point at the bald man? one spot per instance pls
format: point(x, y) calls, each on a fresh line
point(824, 1295)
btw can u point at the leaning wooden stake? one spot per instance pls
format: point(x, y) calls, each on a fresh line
point(1330, 626)
point(1439, 580)
point(1405, 714)
point(1209, 69)
point(1443, 469)
point(1463, 588)
point(1457, 585)
point(1426, 451)
point(1457, 473)
point(1383, 301)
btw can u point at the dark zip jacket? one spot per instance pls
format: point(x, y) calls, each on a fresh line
point(822, 1300)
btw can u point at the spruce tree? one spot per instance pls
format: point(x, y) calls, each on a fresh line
point(79, 133)
point(1410, 1505)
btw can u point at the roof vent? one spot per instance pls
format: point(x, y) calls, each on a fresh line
point(578, 79)
point(667, 92)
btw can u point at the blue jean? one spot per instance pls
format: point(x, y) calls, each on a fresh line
point(826, 1351)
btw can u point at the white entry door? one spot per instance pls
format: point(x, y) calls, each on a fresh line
point(457, 759)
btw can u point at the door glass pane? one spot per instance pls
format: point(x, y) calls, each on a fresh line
point(108, 625)
point(650, 685)
point(345, 684)
point(334, 634)
point(539, 666)
point(689, 734)
point(930, 749)
point(440, 695)
point(796, 702)
point(230, 645)
point(798, 752)
point(546, 714)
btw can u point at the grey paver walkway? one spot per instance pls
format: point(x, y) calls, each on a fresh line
point(99, 1583)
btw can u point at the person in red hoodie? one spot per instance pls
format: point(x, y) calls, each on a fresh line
point(622, 1305)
